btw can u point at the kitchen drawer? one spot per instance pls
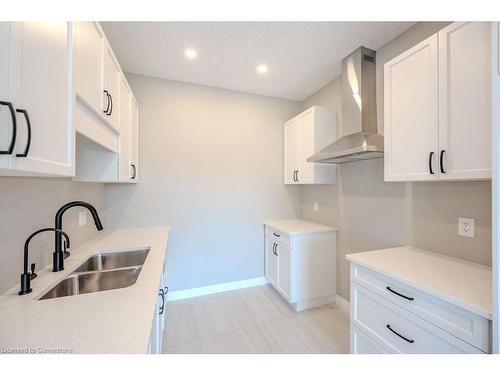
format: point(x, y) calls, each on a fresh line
point(467, 326)
point(398, 329)
point(279, 236)
point(361, 343)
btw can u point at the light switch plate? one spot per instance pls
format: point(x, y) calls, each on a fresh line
point(82, 218)
point(466, 227)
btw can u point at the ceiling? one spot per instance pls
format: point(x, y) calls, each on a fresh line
point(301, 56)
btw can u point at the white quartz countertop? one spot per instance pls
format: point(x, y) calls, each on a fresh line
point(295, 226)
point(113, 321)
point(465, 284)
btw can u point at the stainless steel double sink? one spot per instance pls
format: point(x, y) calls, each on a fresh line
point(102, 271)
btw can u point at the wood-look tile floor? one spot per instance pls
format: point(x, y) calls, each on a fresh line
point(253, 320)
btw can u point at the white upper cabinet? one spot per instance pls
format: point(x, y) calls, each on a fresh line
point(7, 111)
point(128, 133)
point(134, 140)
point(437, 107)
point(111, 88)
point(304, 135)
point(88, 63)
point(465, 100)
point(39, 87)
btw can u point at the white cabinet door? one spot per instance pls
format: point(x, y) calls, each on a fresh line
point(291, 148)
point(7, 111)
point(465, 100)
point(111, 89)
point(134, 139)
point(306, 170)
point(89, 58)
point(125, 130)
point(285, 271)
point(271, 261)
point(42, 56)
point(411, 114)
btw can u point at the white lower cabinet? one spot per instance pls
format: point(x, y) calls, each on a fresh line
point(158, 325)
point(388, 316)
point(301, 264)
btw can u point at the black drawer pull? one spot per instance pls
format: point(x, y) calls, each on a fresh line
point(28, 140)
point(134, 169)
point(111, 108)
point(276, 234)
point(162, 294)
point(441, 164)
point(14, 128)
point(398, 334)
point(399, 294)
point(430, 162)
point(108, 102)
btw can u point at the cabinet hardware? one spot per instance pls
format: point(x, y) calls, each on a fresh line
point(111, 107)
point(28, 126)
point(441, 163)
point(274, 248)
point(133, 171)
point(14, 128)
point(276, 234)
point(431, 154)
point(294, 176)
point(399, 294)
point(162, 294)
point(108, 102)
point(398, 334)
point(297, 175)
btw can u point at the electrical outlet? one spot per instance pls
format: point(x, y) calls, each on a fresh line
point(315, 206)
point(82, 218)
point(466, 227)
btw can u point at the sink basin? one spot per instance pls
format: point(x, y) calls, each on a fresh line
point(81, 283)
point(114, 260)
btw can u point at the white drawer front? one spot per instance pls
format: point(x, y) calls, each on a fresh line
point(399, 329)
point(467, 326)
point(279, 236)
point(361, 343)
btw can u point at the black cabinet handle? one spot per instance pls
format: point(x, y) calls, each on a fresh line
point(107, 101)
point(14, 128)
point(28, 126)
point(133, 171)
point(276, 234)
point(441, 164)
point(294, 176)
point(398, 334)
point(111, 109)
point(162, 294)
point(430, 162)
point(274, 248)
point(297, 175)
point(399, 294)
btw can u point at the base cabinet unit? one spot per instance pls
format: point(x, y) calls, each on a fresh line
point(391, 316)
point(438, 105)
point(301, 261)
point(36, 130)
point(158, 325)
point(305, 134)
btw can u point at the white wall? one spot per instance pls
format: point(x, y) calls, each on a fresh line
point(211, 167)
point(28, 204)
point(373, 214)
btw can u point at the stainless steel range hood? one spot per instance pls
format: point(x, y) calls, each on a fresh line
point(359, 113)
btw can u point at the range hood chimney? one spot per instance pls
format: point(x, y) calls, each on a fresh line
point(360, 139)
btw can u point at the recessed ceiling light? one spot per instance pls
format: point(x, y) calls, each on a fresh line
point(262, 68)
point(191, 53)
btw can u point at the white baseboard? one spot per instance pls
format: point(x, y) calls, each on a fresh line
point(343, 303)
point(217, 288)
point(314, 302)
